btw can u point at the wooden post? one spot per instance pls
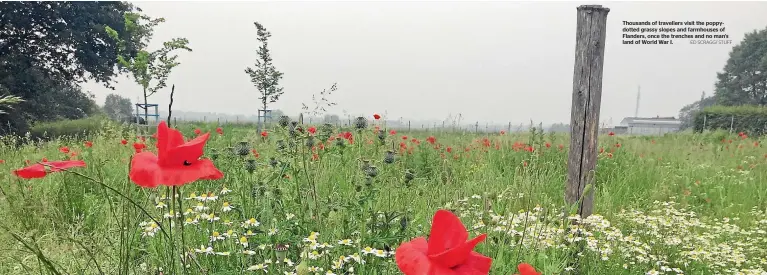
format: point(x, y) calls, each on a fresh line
point(732, 121)
point(587, 97)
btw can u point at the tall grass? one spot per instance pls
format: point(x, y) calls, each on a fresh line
point(692, 203)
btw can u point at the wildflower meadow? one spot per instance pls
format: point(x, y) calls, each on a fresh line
point(201, 198)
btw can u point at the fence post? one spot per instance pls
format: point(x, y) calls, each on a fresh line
point(705, 116)
point(732, 121)
point(586, 101)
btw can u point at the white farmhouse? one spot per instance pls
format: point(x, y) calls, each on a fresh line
point(650, 125)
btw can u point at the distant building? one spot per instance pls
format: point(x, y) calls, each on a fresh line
point(650, 125)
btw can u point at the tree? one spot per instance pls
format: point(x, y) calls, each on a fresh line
point(48, 48)
point(744, 78)
point(265, 76)
point(118, 107)
point(150, 69)
point(687, 113)
point(65, 40)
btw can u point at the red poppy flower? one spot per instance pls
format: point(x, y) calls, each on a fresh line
point(2, 161)
point(124, 142)
point(376, 116)
point(255, 153)
point(312, 130)
point(527, 269)
point(39, 170)
point(404, 137)
point(176, 163)
point(503, 132)
point(64, 150)
point(138, 146)
point(197, 131)
point(445, 253)
point(611, 133)
point(393, 132)
point(431, 139)
point(89, 144)
point(220, 131)
point(264, 134)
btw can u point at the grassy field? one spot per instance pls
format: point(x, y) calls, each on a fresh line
point(679, 204)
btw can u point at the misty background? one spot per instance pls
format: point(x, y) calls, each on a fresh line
point(488, 62)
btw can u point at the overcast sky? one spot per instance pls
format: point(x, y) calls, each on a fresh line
point(489, 61)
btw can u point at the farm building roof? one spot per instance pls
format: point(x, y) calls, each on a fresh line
point(651, 120)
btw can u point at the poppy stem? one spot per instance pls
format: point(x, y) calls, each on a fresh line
point(170, 229)
point(180, 212)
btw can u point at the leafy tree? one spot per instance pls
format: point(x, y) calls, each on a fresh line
point(150, 69)
point(48, 48)
point(744, 78)
point(265, 76)
point(65, 40)
point(45, 99)
point(118, 107)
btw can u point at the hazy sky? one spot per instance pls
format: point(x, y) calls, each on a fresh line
point(489, 61)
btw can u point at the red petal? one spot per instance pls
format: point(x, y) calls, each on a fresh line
point(167, 139)
point(31, 172)
point(475, 264)
point(56, 166)
point(144, 170)
point(39, 171)
point(411, 257)
point(447, 232)
point(527, 269)
point(188, 152)
point(456, 256)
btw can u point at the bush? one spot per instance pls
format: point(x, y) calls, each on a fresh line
point(68, 128)
point(749, 119)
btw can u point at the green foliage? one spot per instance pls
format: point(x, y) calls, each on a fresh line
point(744, 78)
point(45, 99)
point(62, 39)
point(68, 128)
point(747, 118)
point(687, 113)
point(48, 48)
point(117, 107)
point(265, 76)
point(150, 69)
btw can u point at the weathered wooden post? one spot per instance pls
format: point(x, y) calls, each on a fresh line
point(587, 97)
